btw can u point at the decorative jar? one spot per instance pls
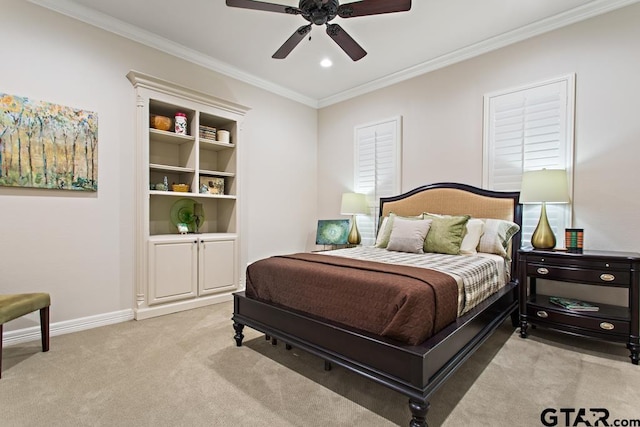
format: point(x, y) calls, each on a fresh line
point(181, 124)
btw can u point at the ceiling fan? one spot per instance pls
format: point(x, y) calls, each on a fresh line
point(320, 12)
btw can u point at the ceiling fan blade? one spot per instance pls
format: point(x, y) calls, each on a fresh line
point(344, 40)
point(372, 7)
point(292, 42)
point(259, 5)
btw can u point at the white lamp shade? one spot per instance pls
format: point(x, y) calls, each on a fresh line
point(546, 185)
point(353, 204)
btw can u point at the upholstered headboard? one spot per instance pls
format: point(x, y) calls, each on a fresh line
point(453, 199)
point(458, 199)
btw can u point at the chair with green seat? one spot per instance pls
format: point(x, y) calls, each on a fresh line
point(17, 305)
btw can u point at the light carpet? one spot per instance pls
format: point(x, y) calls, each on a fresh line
point(184, 369)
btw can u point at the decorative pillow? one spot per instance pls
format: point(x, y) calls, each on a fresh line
point(471, 239)
point(497, 236)
point(407, 235)
point(446, 233)
point(382, 240)
point(382, 234)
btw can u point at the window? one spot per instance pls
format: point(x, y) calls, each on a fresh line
point(530, 128)
point(377, 169)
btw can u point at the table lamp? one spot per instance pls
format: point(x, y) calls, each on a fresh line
point(354, 204)
point(544, 186)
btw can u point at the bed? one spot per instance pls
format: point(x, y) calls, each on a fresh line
point(414, 364)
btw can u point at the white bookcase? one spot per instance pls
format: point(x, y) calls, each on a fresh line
point(182, 271)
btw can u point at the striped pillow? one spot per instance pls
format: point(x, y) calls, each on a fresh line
point(497, 236)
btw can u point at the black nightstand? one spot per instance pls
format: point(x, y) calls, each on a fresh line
point(601, 268)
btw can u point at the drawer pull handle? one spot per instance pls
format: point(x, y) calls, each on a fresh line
point(543, 270)
point(607, 326)
point(543, 314)
point(607, 277)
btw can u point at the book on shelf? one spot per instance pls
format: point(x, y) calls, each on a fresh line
point(573, 304)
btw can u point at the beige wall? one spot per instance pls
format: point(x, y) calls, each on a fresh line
point(442, 122)
point(442, 128)
point(79, 247)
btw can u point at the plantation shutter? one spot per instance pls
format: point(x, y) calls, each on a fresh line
point(530, 128)
point(377, 169)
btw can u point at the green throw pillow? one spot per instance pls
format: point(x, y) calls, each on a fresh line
point(446, 234)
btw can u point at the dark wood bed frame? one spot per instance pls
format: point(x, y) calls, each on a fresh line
point(415, 371)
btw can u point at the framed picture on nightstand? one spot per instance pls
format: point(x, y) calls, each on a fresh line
point(332, 232)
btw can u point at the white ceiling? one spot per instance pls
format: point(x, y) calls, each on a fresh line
point(240, 42)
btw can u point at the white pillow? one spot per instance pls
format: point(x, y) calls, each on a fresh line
point(408, 235)
point(475, 229)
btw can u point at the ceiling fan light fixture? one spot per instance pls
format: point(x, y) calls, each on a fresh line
point(326, 63)
point(321, 12)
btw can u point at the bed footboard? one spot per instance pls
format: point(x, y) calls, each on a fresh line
point(415, 371)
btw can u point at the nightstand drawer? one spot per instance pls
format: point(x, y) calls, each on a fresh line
point(602, 277)
point(578, 319)
point(568, 260)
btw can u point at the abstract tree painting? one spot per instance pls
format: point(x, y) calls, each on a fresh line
point(46, 145)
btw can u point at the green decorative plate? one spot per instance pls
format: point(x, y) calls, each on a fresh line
point(182, 212)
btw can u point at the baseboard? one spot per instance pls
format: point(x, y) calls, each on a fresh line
point(67, 326)
point(175, 307)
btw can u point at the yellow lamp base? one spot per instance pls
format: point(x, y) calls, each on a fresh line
point(354, 234)
point(543, 237)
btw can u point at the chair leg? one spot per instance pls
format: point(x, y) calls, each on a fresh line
point(1, 350)
point(44, 328)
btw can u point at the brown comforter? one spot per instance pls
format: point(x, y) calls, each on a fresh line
point(403, 303)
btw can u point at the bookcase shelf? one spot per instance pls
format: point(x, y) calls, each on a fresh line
point(178, 272)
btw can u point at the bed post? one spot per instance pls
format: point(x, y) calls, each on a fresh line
point(419, 410)
point(515, 314)
point(238, 327)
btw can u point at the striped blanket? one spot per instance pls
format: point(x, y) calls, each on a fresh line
point(477, 276)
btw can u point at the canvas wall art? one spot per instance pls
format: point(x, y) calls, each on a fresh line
point(45, 145)
point(332, 232)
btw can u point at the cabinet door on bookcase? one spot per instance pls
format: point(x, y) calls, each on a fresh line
point(217, 267)
point(173, 270)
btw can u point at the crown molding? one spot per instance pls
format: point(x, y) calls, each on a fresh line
point(131, 32)
point(107, 23)
point(573, 16)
